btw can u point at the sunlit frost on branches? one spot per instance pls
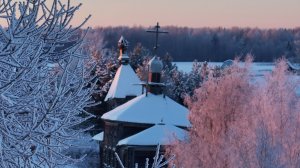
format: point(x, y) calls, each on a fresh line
point(239, 121)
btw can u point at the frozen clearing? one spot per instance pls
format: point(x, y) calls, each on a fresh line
point(257, 67)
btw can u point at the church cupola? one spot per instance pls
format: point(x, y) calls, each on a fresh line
point(155, 68)
point(154, 76)
point(123, 45)
point(123, 86)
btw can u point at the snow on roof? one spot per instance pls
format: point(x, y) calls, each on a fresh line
point(98, 137)
point(227, 63)
point(124, 84)
point(293, 66)
point(150, 109)
point(158, 134)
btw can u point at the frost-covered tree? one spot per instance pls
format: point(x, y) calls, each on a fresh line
point(105, 70)
point(195, 77)
point(175, 81)
point(181, 84)
point(215, 111)
point(240, 122)
point(138, 56)
point(142, 70)
point(278, 119)
point(44, 83)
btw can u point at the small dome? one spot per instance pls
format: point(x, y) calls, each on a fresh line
point(155, 65)
point(227, 63)
point(122, 43)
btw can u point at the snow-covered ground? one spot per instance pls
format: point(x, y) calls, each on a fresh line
point(258, 67)
point(85, 145)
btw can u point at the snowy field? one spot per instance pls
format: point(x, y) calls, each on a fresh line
point(84, 145)
point(258, 67)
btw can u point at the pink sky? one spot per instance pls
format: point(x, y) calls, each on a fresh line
point(191, 13)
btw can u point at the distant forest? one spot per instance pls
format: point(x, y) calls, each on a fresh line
point(207, 44)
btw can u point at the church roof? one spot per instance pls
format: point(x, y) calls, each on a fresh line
point(99, 137)
point(150, 109)
point(158, 134)
point(124, 84)
point(293, 66)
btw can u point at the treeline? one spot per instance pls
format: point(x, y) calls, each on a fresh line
point(206, 44)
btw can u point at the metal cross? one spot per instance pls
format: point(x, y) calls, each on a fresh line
point(156, 31)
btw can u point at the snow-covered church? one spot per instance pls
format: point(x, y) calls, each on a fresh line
point(124, 86)
point(141, 119)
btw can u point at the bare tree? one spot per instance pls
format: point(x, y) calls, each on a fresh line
point(278, 122)
point(44, 83)
point(217, 116)
point(237, 122)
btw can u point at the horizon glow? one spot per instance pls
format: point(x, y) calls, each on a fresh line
point(189, 13)
point(192, 13)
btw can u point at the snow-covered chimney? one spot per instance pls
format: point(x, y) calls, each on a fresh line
point(154, 75)
point(123, 45)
